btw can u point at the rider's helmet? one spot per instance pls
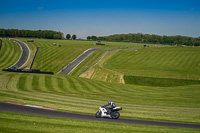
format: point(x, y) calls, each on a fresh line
point(109, 101)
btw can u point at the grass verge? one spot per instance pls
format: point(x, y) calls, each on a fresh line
point(19, 123)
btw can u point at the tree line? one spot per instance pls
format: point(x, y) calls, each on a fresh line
point(147, 38)
point(69, 37)
point(49, 34)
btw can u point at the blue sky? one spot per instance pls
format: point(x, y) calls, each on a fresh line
point(103, 17)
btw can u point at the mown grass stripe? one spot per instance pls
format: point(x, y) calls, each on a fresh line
point(12, 84)
point(42, 83)
point(96, 86)
point(35, 83)
point(67, 84)
point(28, 83)
point(48, 83)
point(73, 84)
point(6, 47)
point(60, 84)
point(87, 86)
point(12, 53)
point(21, 83)
point(7, 52)
point(54, 83)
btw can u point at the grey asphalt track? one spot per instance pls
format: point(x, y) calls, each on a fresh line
point(8, 107)
point(76, 62)
point(66, 70)
point(24, 56)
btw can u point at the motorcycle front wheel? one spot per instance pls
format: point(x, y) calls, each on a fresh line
point(115, 115)
point(98, 114)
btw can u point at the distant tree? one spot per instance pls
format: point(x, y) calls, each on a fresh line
point(2, 32)
point(197, 43)
point(88, 37)
point(101, 38)
point(49, 34)
point(94, 38)
point(74, 37)
point(68, 36)
point(56, 36)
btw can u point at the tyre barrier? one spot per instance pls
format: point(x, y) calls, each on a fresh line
point(27, 71)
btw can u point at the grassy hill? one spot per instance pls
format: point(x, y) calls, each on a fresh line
point(171, 62)
point(172, 66)
point(177, 103)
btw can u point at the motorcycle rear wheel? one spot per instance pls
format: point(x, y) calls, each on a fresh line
point(115, 115)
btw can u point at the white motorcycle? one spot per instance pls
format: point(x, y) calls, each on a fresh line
point(109, 113)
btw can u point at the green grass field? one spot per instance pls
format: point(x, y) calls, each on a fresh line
point(172, 62)
point(73, 94)
point(172, 66)
point(19, 123)
point(9, 53)
point(176, 101)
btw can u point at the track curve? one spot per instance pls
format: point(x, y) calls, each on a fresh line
point(24, 56)
point(52, 113)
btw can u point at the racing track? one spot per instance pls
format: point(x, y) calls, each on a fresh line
point(24, 56)
point(52, 113)
point(66, 70)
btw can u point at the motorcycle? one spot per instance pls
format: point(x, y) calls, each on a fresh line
point(105, 112)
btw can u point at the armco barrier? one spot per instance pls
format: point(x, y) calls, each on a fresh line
point(34, 58)
point(27, 71)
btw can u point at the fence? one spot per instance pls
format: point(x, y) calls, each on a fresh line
point(27, 71)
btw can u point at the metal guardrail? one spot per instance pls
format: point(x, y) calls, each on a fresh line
point(34, 58)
